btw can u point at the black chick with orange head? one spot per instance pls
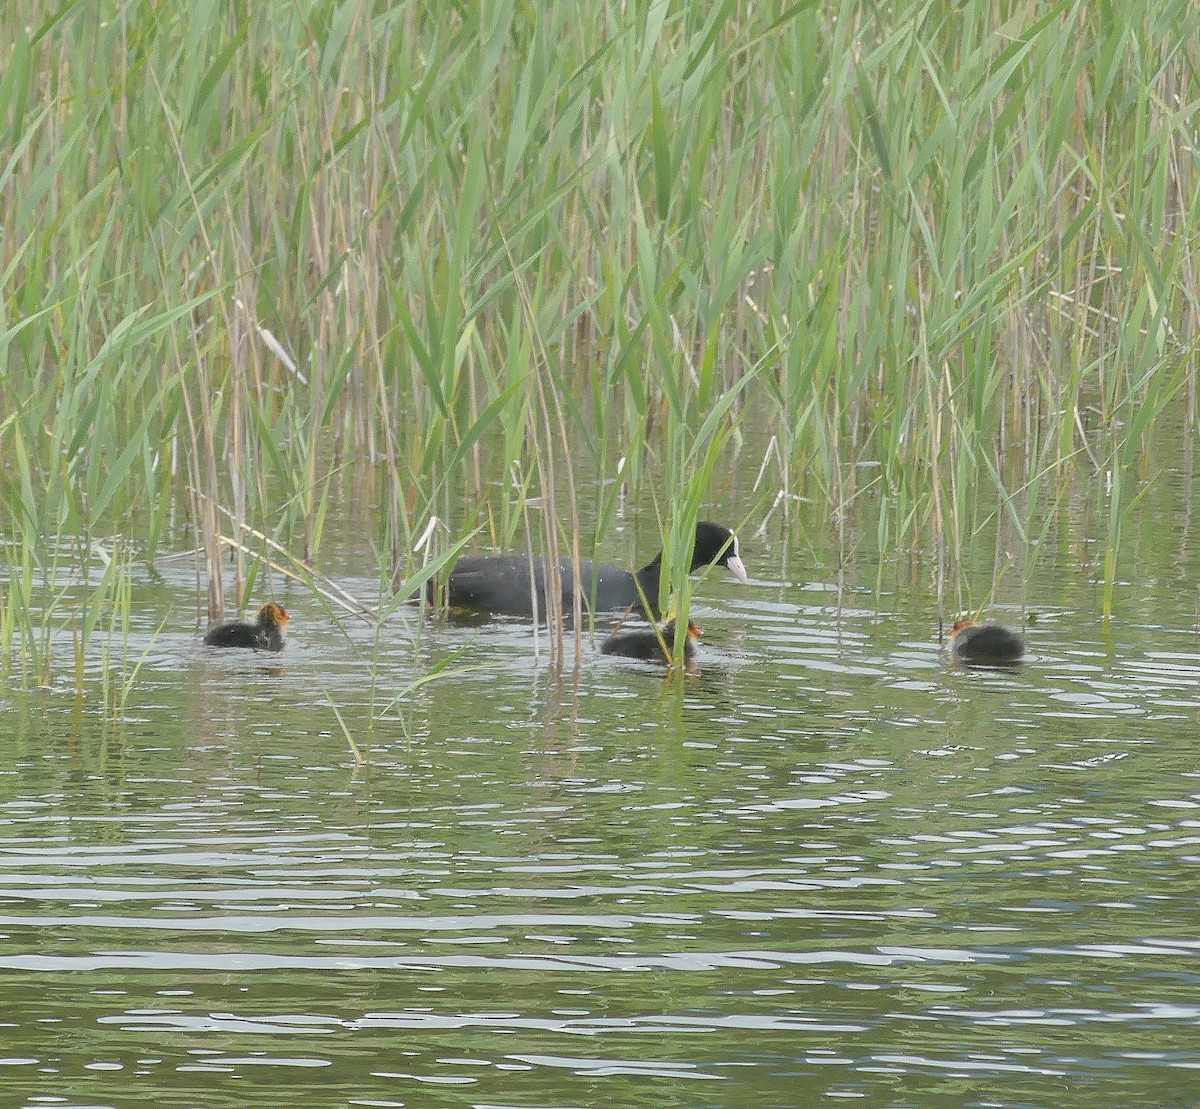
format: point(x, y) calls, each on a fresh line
point(649, 645)
point(263, 633)
point(985, 645)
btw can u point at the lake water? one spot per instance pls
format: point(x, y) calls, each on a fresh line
point(827, 867)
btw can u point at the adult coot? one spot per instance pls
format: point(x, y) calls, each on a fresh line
point(500, 584)
point(265, 633)
point(986, 644)
point(648, 645)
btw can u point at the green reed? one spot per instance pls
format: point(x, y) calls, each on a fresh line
point(490, 265)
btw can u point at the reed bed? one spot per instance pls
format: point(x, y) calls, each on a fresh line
point(486, 264)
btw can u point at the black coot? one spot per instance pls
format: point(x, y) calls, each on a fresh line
point(265, 633)
point(986, 644)
point(647, 645)
point(500, 584)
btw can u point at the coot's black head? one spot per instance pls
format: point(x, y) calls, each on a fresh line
point(717, 546)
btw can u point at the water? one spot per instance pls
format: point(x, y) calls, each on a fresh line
point(827, 867)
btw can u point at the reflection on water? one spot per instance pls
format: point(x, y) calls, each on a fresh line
point(828, 865)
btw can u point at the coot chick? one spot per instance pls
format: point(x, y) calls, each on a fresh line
point(265, 633)
point(646, 644)
point(500, 584)
point(985, 645)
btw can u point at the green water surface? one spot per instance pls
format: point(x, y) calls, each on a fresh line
point(826, 867)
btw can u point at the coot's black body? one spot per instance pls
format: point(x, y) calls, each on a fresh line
point(647, 645)
point(264, 633)
point(986, 644)
point(500, 584)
